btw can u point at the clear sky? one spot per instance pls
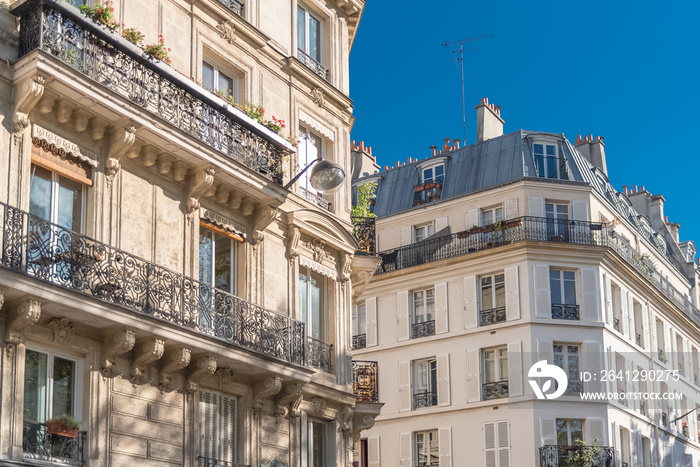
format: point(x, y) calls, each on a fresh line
point(627, 71)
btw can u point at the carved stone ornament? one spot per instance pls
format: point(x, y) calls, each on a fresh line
point(200, 181)
point(2, 298)
point(61, 147)
point(119, 144)
point(319, 404)
point(293, 236)
point(28, 95)
point(360, 423)
point(318, 97)
point(265, 389)
point(227, 31)
point(264, 216)
point(119, 344)
point(25, 313)
point(224, 378)
point(63, 331)
point(205, 366)
point(347, 267)
point(145, 353)
point(175, 360)
point(289, 403)
point(345, 419)
point(317, 246)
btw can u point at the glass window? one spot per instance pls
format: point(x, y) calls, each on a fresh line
point(569, 432)
point(50, 383)
point(563, 287)
point(434, 174)
point(491, 216)
point(309, 34)
point(425, 376)
point(566, 357)
point(359, 319)
point(549, 164)
point(495, 365)
point(216, 80)
point(423, 305)
point(493, 292)
point(317, 443)
point(56, 198)
point(217, 260)
point(424, 231)
point(312, 303)
point(309, 149)
point(427, 448)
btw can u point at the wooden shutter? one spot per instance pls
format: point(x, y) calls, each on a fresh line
point(405, 450)
point(473, 376)
point(503, 443)
point(536, 206)
point(218, 414)
point(545, 351)
point(406, 233)
point(612, 365)
point(515, 369)
point(596, 431)
point(404, 386)
point(624, 315)
point(630, 317)
point(589, 298)
point(471, 318)
point(490, 444)
point(403, 318)
point(304, 439)
point(440, 223)
point(371, 321)
point(511, 208)
point(543, 296)
point(373, 452)
point(206, 424)
point(445, 446)
point(608, 300)
point(579, 210)
point(443, 379)
point(472, 218)
point(645, 328)
point(441, 311)
point(331, 441)
point(592, 354)
point(548, 432)
point(512, 293)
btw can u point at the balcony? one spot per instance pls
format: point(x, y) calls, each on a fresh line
point(426, 192)
point(365, 384)
point(577, 456)
point(319, 354)
point(313, 65)
point(424, 329)
point(496, 390)
point(62, 32)
point(359, 341)
point(363, 231)
point(318, 200)
point(424, 399)
point(492, 316)
point(40, 445)
point(233, 5)
point(49, 253)
point(564, 311)
point(533, 229)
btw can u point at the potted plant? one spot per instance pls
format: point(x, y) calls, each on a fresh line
point(65, 425)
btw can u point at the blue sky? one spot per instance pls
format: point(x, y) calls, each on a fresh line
point(625, 71)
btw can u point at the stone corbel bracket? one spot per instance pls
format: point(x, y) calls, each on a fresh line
point(264, 216)
point(200, 181)
point(2, 298)
point(293, 237)
point(145, 352)
point(119, 344)
point(265, 389)
point(23, 314)
point(28, 94)
point(360, 423)
point(346, 273)
point(205, 366)
point(344, 418)
point(289, 403)
point(175, 360)
point(121, 140)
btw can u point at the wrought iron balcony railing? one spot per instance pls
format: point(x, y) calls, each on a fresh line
point(233, 5)
point(424, 399)
point(39, 444)
point(209, 462)
point(363, 231)
point(61, 31)
point(319, 201)
point(313, 65)
point(577, 456)
point(664, 419)
point(492, 316)
point(496, 390)
point(533, 229)
point(616, 324)
point(365, 381)
point(426, 192)
point(359, 341)
point(564, 311)
point(319, 354)
point(52, 254)
point(424, 329)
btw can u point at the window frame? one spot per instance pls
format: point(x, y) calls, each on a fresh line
point(426, 304)
point(305, 47)
point(493, 211)
point(498, 360)
point(218, 70)
point(433, 444)
point(55, 184)
point(492, 286)
point(566, 358)
point(542, 161)
point(233, 256)
point(562, 284)
point(433, 177)
point(359, 319)
point(216, 444)
point(429, 229)
point(304, 315)
point(570, 440)
point(322, 425)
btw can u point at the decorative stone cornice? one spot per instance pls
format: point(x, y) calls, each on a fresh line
point(120, 142)
point(145, 352)
point(60, 146)
point(319, 404)
point(247, 206)
point(200, 181)
point(63, 331)
point(265, 389)
point(23, 314)
point(205, 366)
point(28, 94)
point(289, 403)
point(175, 360)
point(119, 344)
point(264, 216)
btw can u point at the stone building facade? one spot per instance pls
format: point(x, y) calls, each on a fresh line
point(160, 282)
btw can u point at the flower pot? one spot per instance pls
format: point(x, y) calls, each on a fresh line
point(55, 427)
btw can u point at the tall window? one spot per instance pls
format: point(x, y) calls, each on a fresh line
point(563, 287)
point(491, 216)
point(569, 432)
point(50, 386)
point(309, 34)
point(557, 215)
point(216, 80)
point(549, 164)
point(423, 305)
point(425, 383)
point(56, 198)
point(435, 173)
point(310, 148)
point(421, 232)
point(319, 443)
point(427, 448)
point(217, 425)
point(567, 357)
point(359, 319)
point(217, 260)
point(312, 303)
point(495, 373)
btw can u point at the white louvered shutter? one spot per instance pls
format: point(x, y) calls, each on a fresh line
point(490, 444)
point(445, 446)
point(440, 223)
point(441, 311)
point(304, 439)
point(371, 321)
point(515, 369)
point(631, 328)
point(624, 315)
point(503, 443)
point(404, 386)
point(373, 452)
point(633, 449)
point(589, 297)
point(545, 351)
point(406, 233)
point(579, 210)
point(471, 318)
point(536, 206)
point(548, 432)
point(443, 379)
point(592, 363)
point(608, 300)
point(645, 327)
point(405, 450)
point(512, 293)
point(403, 318)
point(473, 378)
point(331, 453)
point(217, 425)
point(472, 218)
point(511, 208)
point(543, 296)
point(612, 365)
point(596, 432)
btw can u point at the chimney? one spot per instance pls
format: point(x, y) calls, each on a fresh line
point(674, 227)
point(489, 123)
point(593, 150)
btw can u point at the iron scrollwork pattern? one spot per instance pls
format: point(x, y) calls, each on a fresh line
point(574, 388)
point(233, 5)
point(359, 341)
point(210, 462)
point(365, 384)
point(313, 65)
point(496, 390)
point(424, 399)
point(319, 354)
point(424, 329)
point(363, 231)
point(100, 55)
point(492, 316)
point(38, 443)
point(564, 311)
point(556, 456)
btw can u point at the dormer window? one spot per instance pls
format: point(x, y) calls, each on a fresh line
point(549, 163)
point(435, 173)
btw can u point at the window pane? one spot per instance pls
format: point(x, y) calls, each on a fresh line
point(421, 375)
point(428, 175)
point(569, 288)
point(552, 167)
point(486, 293)
point(304, 298)
point(301, 30)
point(551, 150)
point(430, 304)
point(318, 443)
point(487, 217)
point(314, 39)
point(361, 318)
point(222, 263)
point(539, 149)
point(63, 382)
point(40, 192)
point(35, 366)
point(419, 307)
point(225, 84)
point(500, 291)
point(498, 214)
point(206, 245)
point(69, 203)
point(549, 210)
point(315, 301)
point(562, 433)
point(502, 365)
point(208, 76)
point(555, 286)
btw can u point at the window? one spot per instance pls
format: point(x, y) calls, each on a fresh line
point(51, 386)
point(495, 384)
point(423, 313)
point(549, 165)
point(427, 448)
point(422, 232)
point(216, 80)
point(310, 42)
point(217, 425)
point(491, 216)
point(217, 270)
point(312, 303)
point(430, 187)
point(562, 284)
point(310, 148)
point(492, 299)
point(425, 383)
point(566, 357)
point(616, 297)
point(318, 438)
point(56, 198)
point(569, 432)
point(434, 174)
point(557, 216)
point(359, 326)
point(497, 444)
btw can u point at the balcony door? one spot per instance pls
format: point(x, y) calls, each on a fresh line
point(217, 271)
point(312, 303)
point(50, 386)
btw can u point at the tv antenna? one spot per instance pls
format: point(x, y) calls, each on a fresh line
point(459, 47)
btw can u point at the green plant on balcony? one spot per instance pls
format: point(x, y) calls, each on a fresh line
point(366, 193)
point(133, 35)
point(101, 13)
point(580, 455)
point(644, 264)
point(159, 50)
point(275, 124)
point(64, 425)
